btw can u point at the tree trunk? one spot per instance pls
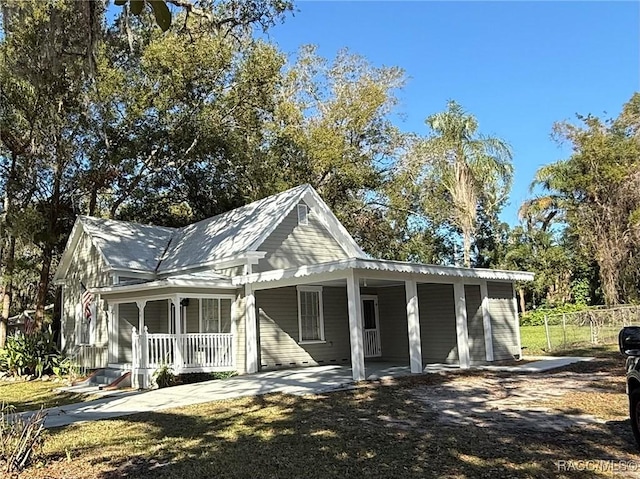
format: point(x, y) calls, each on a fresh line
point(7, 290)
point(523, 303)
point(43, 287)
point(466, 241)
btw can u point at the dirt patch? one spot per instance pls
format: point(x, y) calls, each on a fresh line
point(518, 401)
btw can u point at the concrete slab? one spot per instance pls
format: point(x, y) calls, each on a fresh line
point(312, 380)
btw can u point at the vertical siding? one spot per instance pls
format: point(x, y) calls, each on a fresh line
point(127, 318)
point(475, 326)
point(292, 245)
point(436, 303)
point(279, 331)
point(87, 266)
point(503, 317)
point(394, 337)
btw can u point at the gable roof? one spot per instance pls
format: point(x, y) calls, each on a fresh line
point(128, 246)
point(135, 247)
point(245, 229)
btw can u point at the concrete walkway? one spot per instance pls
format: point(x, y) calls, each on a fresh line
point(312, 380)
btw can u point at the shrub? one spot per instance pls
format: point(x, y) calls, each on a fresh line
point(536, 316)
point(164, 376)
point(34, 354)
point(21, 438)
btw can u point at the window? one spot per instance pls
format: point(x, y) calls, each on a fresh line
point(215, 315)
point(310, 317)
point(303, 215)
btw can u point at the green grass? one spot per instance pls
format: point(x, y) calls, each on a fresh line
point(32, 395)
point(534, 339)
point(375, 431)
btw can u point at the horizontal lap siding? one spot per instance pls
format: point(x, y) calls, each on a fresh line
point(475, 325)
point(127, 319)
point(503, 317)
point(392, 309)
point(437, 323)
point(155, 316)
point(292, 245)
point(193, 316)
point(87, 266)
point(279, 331)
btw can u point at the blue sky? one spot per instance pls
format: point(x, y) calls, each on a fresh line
point(517, 66)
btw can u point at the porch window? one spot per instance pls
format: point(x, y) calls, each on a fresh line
point(216, 315)
point(310, 314)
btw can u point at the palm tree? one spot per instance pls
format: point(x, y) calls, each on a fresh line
point(474, 170)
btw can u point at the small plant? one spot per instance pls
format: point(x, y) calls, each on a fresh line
point(164, 376)
point(20, 438)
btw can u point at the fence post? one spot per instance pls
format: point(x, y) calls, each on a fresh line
point(546, 328)
point(564, 331)
point(135, 358)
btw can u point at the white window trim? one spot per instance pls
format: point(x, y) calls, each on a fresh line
point(219, 298)
point(303, 215)
point(316, 289)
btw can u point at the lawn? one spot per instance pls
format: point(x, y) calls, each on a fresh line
point(534, 340)
point(377, 430)
point(32, 395)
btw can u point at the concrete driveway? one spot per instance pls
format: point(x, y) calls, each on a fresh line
point(311, 380)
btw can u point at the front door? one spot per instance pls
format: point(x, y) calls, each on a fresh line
point(371, 327)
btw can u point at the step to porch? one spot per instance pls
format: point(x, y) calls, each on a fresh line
point(107, 378)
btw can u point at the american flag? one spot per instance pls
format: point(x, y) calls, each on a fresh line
point(87, 298)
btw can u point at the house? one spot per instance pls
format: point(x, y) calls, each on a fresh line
point(278, 283)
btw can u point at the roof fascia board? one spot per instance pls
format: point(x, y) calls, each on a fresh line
point(228, 262)
point(380, 266)
point(162, 284)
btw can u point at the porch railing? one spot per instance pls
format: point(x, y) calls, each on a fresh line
point(89, 356)
point(203, 351)
point(371, 340)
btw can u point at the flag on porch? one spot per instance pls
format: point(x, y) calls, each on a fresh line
point(87, 299)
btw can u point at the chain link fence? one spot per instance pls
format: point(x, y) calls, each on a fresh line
point(594, 326)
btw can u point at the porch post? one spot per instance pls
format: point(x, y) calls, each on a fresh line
point(178, 361)
point(113, 332)
point(355, 326)
point(250, 330)
point(142, 360)
point(486, 321)
point(462, 333)
point(413, 325)
point(516, 318)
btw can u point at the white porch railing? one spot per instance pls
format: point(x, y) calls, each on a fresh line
point(183, 352)
point(89, 356)
point(371, 340)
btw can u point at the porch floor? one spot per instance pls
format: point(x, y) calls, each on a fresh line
point(300, 381)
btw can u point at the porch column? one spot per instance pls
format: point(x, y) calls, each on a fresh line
point(141, 305)
point(250, 330)
point(178, 361)
point(413, 324)
point(355, 326)
point(462, 333)
point(516, 319)
point(486, 322)
point(113, 310)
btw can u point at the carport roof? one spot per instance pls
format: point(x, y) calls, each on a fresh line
point(453, 272)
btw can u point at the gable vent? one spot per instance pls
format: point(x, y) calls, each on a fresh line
point(303, 215)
